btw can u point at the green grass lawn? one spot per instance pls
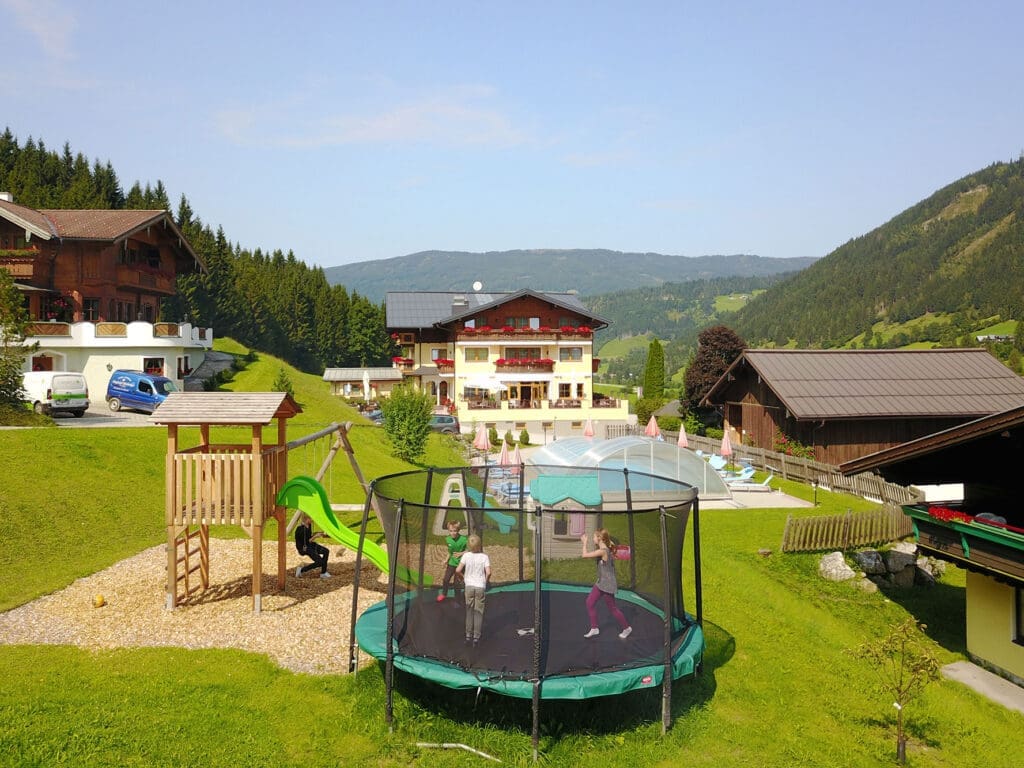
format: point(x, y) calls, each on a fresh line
point(778, 688)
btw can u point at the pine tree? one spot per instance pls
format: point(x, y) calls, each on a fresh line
point(654, 373)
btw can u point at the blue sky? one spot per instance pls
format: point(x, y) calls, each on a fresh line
point(356, 131)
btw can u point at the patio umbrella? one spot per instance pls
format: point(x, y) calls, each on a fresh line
point(366, 385)
point(588, 429)
point(652, 429)
point(503, 458)
point(681, 442)
point(726, 449)
point(517, 460)
point(481, 442)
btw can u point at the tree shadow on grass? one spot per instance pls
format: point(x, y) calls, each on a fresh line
point(941, 608)
point(600, 715)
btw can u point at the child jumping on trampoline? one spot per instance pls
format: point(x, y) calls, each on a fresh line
point(607, 585)
point(456, 547)
point(476, 568)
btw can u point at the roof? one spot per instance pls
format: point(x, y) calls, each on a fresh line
point(225, 408)
point(988, 450)
point(356, 374)
point(425, 309)
point(849, 384)
point(101, 225)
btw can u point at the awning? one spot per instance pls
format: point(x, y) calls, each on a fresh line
point(517, 377)
point(488, 384)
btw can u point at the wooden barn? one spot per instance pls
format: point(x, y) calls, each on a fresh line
point(844, 404)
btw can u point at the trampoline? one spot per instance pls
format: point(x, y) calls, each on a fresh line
point(532, 644)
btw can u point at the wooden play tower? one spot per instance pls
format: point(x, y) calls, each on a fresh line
point(222, 483)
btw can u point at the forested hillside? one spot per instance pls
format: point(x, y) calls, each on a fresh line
point(960, 252)
point(589, 272)
point(272, 302)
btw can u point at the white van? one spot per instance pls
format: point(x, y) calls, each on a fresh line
point(56, 392)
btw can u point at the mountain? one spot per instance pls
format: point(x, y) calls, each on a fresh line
point(587, 271)
point(957, 256)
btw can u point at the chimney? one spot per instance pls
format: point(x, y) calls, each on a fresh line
point(7, 197)
point(459, 303)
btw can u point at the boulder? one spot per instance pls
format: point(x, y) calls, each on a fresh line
point(866, 585)
point(896, 561)
point(923, 577)
point(870, 561)
point(909, 547)
point(833, 567)
point(904, 579)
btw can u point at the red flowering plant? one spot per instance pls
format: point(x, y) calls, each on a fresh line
point(584, 329)
point(468, 329)
point(394, 336)
point(402, 360)
point(567, 329)
point(507, 329)
point(444, 361)
point(485, 329)
point(791, 447)
point(545, 329)
point(947, 515)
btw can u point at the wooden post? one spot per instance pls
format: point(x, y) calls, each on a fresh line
point(257, 517)
point(279, 512)
point(170, 495)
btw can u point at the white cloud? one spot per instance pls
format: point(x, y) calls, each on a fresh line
point(458, 117)
point(50, 22)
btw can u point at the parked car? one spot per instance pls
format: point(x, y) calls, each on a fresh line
point(377, 416)
point(445, 424)
point(53, 392)
point(138, 390)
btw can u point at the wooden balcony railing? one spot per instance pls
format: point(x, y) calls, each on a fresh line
point(524, 366)
point(128, 275)
point(48, 329)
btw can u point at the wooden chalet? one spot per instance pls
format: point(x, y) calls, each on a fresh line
point(845, 404)
point(981, 531)
point(93, 265)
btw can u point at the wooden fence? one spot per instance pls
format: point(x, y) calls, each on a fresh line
point(854, 529)
point(823, 531)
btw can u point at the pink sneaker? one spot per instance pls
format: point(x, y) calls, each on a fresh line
point(440, 598)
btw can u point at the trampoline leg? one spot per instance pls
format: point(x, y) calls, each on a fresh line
point(536, 718)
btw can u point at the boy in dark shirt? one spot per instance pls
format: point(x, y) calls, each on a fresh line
point(317, 553)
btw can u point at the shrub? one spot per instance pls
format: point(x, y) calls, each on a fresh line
point(283, 383)
point(524, 437)
point(510, 441)
point(492, 435)
point(407, 421)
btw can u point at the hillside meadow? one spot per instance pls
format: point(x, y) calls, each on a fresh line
point(778, 686)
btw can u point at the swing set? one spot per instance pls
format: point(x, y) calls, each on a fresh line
point(231, 483)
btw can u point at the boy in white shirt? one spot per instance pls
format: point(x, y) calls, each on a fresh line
point(475, 568)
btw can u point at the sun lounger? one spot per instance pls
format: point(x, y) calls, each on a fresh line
point(717, 462)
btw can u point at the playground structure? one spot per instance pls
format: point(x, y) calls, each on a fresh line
point(234, 483)
point(533, 643)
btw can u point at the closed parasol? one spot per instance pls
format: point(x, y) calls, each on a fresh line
point(652, 429)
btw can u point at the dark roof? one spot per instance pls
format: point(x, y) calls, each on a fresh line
point(849, 384)
point(101, 225)
point(988, 450)
point(425, 309)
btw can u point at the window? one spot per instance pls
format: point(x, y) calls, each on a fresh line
point(523, 322)
point(476, 354)
point(184, 369)
point(91, 310)
point(567, 321)
point(565, 390)
point(145, 388)
point(439, 353)
point(91, 265)
point(1018, 624)
point(147, 313)
point(153, 365)
point(523, 353)
point(566, 354)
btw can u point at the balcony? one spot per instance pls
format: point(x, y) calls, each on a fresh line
point(513, 365)
point(20, 263)
point(508, 335)
point(445, 367)
point(134, 276)
point(980, 541)
point(404, 364)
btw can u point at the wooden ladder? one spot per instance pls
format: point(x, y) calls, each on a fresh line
point(191, 554)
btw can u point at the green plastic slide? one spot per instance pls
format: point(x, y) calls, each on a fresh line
point(306, 494)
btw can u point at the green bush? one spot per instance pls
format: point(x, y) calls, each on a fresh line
point(407, 421)
point(524, 437)
point(492, 435)
point(510, 441)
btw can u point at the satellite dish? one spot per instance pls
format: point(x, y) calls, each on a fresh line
point(477, 285)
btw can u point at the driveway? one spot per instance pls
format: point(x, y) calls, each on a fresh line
point(99, 415)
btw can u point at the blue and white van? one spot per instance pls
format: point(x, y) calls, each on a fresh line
point(138, 390)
